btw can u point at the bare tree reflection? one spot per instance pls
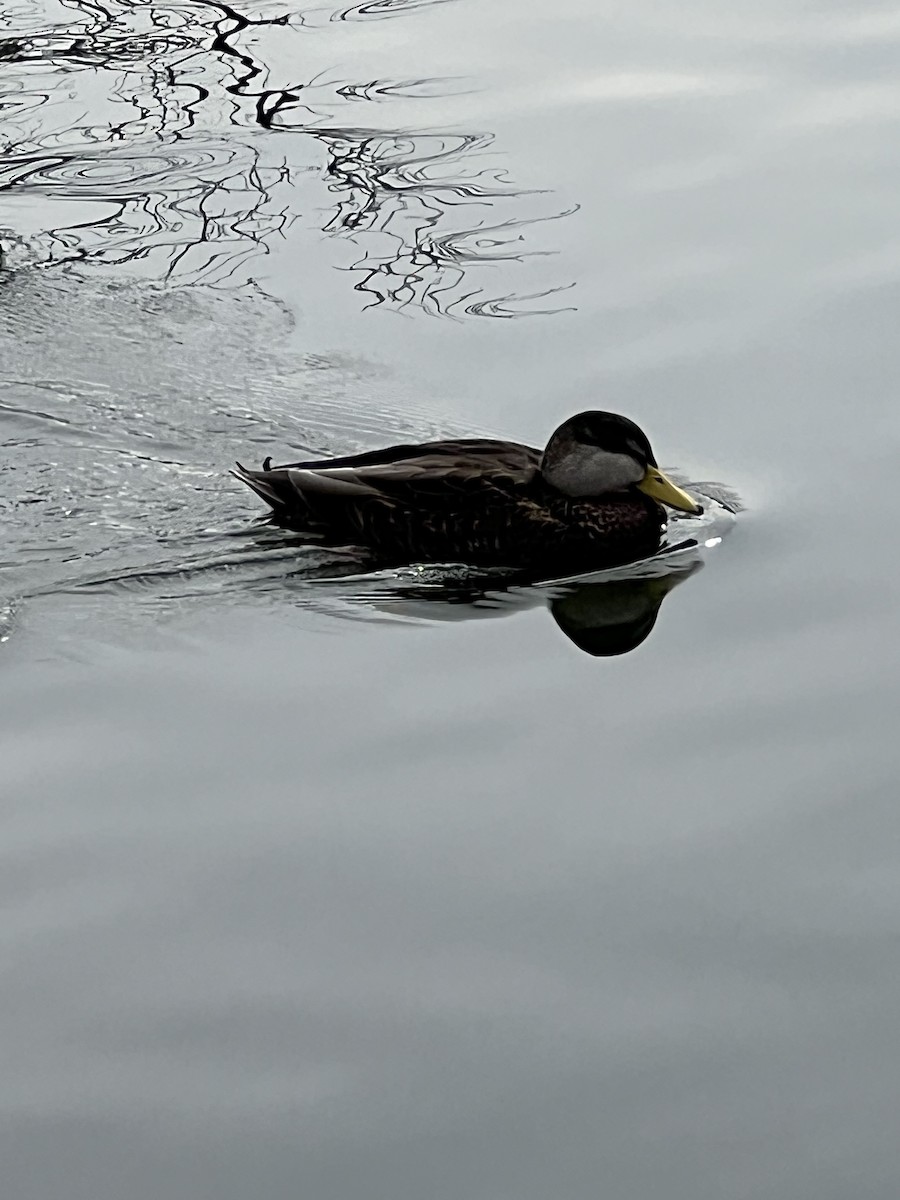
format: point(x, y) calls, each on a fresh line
point(168, 184)
point(192, 213)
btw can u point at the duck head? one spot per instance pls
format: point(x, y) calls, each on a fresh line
point(598, 452)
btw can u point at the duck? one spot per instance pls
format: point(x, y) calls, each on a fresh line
point(594, 497)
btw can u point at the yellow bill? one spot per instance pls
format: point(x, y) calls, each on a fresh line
point(658, 485)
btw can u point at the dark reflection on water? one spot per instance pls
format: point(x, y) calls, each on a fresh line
point(602, 617)
point(219, 194)
point(607, 619)
point(392, 184)
point(189, 182)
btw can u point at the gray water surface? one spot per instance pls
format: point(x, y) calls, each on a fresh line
point(324, 885)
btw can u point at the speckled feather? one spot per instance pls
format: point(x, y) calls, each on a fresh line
point(470, 500)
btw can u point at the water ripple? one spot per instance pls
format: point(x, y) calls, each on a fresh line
point(407, 89)
point(379, 10)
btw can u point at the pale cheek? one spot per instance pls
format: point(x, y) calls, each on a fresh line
point(619, 470)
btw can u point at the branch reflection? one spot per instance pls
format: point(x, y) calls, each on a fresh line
point(163, 126)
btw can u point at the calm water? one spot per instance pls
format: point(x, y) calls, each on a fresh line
point(333, 886)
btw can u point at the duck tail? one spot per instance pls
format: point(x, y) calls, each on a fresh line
point(272, 486)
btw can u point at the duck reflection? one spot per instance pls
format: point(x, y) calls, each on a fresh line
point(607, 619)
point(603, 617)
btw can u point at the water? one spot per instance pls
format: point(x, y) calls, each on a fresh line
point(335, 885)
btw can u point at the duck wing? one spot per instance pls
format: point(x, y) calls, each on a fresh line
point(399, 473)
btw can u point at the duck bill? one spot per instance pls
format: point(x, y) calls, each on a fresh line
point(658, 485)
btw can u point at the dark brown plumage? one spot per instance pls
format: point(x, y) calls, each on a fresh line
point(483, 502)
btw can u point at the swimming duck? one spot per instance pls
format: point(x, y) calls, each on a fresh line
point(593, 498)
